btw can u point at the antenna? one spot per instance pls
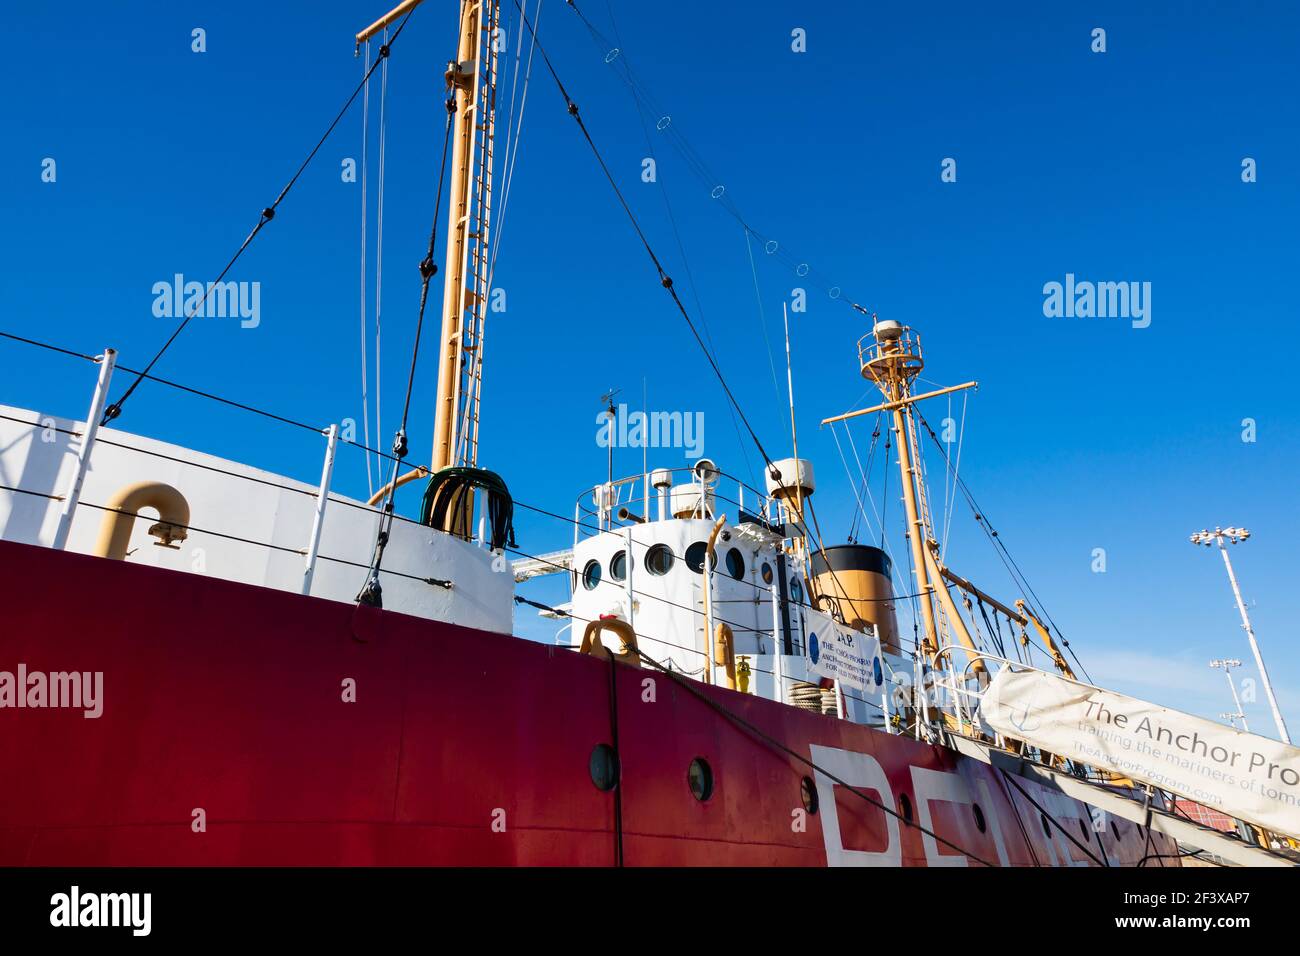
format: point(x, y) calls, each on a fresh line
point(608, 401)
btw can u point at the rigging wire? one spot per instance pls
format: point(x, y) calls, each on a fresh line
point(762, 316)
point(613, 56)
point(685, 260)
point(1003, 552)
point(1051, 819)
point(950, 501)
point(379, 243)
point(371, 594)
point(115, 409)
point(861, 513)
point(664, 279)
point(365, 274)
point(512, 141)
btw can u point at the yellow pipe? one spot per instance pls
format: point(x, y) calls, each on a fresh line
point(415, 473)
point(124, 506)
point(708, 606)
point(724, 653)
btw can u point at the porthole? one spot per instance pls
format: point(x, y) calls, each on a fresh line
point(980, 823)
point(1087, 830)
point(700, 777)
point(796, 591)
point(618, 566)
point(1047, 829)
point(736, 564)
point(905, 807)
point(766, 573)
point(694, 557)
point(591, 575)
point(604, 767)
point(808, 794)
point(659, 559)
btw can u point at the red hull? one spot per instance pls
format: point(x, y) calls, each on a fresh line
point(228, 698)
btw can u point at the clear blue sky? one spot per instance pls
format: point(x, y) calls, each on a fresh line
point(1085, 433)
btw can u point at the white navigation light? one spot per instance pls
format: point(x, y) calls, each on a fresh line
point(887, 330)
point(706, 471)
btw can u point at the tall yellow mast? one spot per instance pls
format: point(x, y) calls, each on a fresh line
point(891, 357)
point(472, 78)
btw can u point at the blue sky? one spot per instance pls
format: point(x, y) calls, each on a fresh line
point(1085, 433)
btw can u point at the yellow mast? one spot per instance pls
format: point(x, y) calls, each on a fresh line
point(472, 80)
point(891, 357)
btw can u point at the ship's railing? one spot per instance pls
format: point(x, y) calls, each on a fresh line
point(598, 507)
point(962, 697)
point(68, 497)
point(966, 699)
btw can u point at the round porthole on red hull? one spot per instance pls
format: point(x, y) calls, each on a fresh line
point(700, 777)
point(604, 767)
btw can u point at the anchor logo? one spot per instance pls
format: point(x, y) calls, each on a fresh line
point(1024, 718)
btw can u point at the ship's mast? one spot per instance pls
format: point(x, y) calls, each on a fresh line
point(891, 357)
point(472, 80)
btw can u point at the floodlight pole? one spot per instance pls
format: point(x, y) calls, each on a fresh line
point(1234, 535)
point(1239, 714)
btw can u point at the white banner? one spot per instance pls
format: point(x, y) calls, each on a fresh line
point(843, 654)
point(1244, 775)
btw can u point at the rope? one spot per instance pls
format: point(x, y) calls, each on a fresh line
point(512, 141)
point(52, 348)
point(1003, 552)
point(762, 319)
point(365, 222)
point(115, 409)
point(664, 279)
point(614, 57)
point(379, 244)
point(950, 501)
point(1047, 816)
point(371, 593)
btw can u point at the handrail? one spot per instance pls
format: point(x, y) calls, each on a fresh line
point(199, 393)
point(762, 502)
